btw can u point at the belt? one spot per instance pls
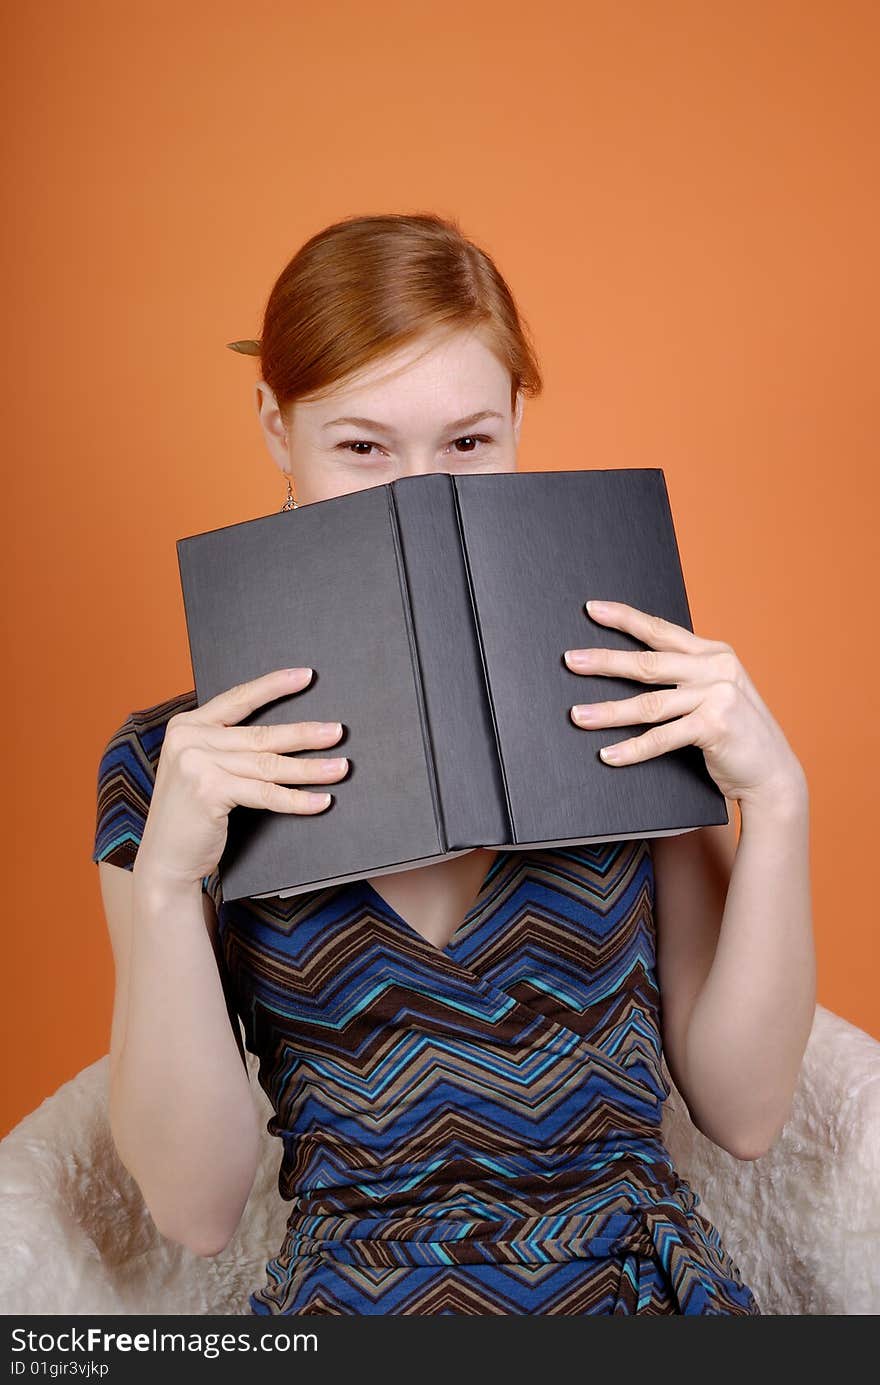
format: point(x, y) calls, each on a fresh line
point(663, 1229)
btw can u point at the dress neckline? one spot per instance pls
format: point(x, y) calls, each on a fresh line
point(481, 899)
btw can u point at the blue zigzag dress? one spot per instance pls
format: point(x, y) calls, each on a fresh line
point(473, 1130)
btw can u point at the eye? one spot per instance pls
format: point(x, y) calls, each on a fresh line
point(472, 437)
point(475, 439)
point(360, 442)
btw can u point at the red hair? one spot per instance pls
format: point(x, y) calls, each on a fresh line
point(369, 285)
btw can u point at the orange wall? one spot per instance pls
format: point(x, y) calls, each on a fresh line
point(684, 199)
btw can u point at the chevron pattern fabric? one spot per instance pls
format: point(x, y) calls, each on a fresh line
point(474, 1130)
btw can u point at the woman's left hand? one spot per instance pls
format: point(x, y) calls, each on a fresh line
point(714, 705)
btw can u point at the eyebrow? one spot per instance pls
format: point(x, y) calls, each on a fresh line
point(383, 428)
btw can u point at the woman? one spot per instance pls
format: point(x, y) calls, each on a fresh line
point(464, 1059)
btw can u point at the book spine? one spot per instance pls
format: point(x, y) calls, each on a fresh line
point(460, 733)
point(509, 834)
point(406, 597)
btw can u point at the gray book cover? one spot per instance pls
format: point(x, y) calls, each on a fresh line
point(435, 611)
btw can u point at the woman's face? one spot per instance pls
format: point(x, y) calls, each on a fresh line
point(441, 404)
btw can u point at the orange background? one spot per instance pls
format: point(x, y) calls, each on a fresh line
point(684, 199)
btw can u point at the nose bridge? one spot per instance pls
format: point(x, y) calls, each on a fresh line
point(417, 460)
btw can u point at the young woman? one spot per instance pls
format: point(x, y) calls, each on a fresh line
point(464, 1059)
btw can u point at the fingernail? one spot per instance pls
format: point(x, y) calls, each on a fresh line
point(610, 752)
point(585, 713)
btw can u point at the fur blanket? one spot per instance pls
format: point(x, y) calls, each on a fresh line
point(802, 1223)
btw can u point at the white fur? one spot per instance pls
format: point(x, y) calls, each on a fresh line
point(802, 1223)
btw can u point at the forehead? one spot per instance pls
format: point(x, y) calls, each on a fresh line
point(421, 382)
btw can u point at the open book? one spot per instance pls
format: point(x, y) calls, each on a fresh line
point(435, 611)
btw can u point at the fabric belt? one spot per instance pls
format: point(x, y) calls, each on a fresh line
point(661, 1229)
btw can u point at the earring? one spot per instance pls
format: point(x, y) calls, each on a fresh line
point(290, 503)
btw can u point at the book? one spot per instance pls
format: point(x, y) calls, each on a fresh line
point(435, 611)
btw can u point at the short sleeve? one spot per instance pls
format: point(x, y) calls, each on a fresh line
point(124, 788)
point(125, 779)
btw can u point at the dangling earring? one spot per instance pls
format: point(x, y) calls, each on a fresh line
point(290, 503)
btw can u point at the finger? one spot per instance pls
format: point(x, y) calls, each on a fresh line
point(655, 705)
point(672, 735)
point(644, 665)
point(287, 735)
point(233, 704)
point(262, 793)
point(280, 769)
point(652, 630)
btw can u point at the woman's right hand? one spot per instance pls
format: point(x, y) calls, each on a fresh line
point(208, 764)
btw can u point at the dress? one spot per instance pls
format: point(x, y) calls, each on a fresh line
point(468, 1131)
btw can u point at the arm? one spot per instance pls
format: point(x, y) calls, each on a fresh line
point(181, 1111)
point(179, 1092)
point(736, 965)
point(735, 950)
